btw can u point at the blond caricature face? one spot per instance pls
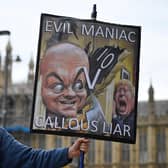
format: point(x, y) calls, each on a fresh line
point(63, 80)
point(124, 99)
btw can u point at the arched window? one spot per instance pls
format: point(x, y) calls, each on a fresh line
point(161, 146)
point(91, 152)
point(108, 152)
point(58, 141)
point(125, 153)
point(143, 151)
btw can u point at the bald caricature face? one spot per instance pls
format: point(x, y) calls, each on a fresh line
point(63, 80)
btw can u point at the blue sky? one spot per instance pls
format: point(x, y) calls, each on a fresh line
point(22, 18)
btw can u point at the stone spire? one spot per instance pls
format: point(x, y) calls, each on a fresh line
point(0, 61)
point(1, 75)
point(31, 71)
point(151, 105)
point(8, 61)
point(8, 47)
point(151, 93)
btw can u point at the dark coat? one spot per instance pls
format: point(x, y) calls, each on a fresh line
point(13, 154)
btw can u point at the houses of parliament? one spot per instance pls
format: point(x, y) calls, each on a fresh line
point(150, 150)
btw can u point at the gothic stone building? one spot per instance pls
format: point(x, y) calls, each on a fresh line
point(150, 150)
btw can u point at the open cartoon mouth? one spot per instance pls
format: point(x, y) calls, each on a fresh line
point(122, 104)
point(68, 102)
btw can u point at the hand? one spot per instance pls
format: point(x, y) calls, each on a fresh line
point(81, 144)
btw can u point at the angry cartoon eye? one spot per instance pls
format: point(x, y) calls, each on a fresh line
point(58, 88)
point(78, 86)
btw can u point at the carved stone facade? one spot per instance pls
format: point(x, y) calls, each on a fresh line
point(150, 150)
